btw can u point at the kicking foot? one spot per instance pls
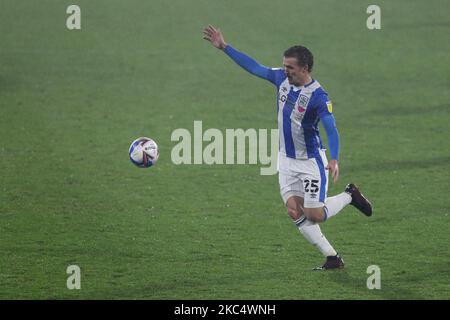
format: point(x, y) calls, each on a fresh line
point(332, 262)
point(358, 200)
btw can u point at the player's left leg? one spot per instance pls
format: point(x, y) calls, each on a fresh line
point(318, 207)
point(331, 207)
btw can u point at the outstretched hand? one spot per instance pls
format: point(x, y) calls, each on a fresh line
point(214, 36)
point(334, 169)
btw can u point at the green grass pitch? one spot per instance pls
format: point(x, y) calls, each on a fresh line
point(72, 101)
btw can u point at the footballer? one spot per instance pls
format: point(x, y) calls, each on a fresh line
point(303, 165)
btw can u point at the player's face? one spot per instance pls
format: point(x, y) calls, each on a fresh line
point(294, 72)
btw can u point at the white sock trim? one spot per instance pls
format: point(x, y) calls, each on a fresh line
point(334, 205)
point(312, 233)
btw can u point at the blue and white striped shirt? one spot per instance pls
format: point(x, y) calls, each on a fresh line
point(299, 111)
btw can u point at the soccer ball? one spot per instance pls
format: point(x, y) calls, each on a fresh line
point(143, 152)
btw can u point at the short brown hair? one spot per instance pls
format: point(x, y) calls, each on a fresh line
point(303, 55)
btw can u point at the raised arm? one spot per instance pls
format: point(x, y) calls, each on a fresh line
point(215, 36)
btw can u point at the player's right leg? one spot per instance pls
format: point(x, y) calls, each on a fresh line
point(292, 192)
point(312, 233)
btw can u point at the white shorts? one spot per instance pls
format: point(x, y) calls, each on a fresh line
point(306, 178)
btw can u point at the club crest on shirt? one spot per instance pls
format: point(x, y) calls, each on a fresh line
point(303, 100)
point(302, 103)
